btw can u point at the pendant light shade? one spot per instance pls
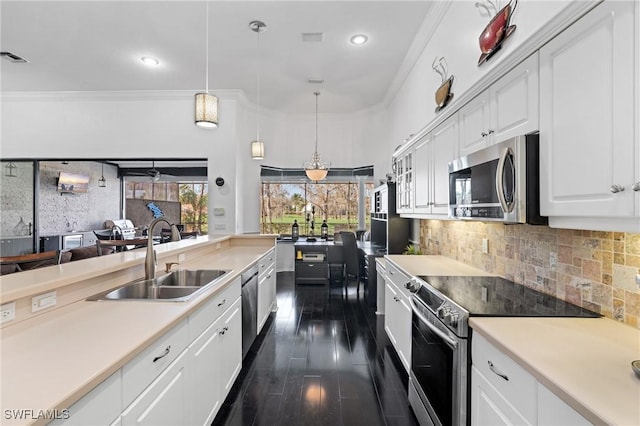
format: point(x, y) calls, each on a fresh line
point(316, 169)
point(11, 170)
point(257, 150)
point(102, 182)
point(206, 115)
point(257, 146)
point(206, 110)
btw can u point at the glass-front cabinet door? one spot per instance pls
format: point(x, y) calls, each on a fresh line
point(16, 207)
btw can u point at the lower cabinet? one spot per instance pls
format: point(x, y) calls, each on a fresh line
point(397, 323)
point(503, 393)
point(164, 401)
point(215, 359)
point(266, 287)
point(180, 379)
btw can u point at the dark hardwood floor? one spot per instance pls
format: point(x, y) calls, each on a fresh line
point(322, 359)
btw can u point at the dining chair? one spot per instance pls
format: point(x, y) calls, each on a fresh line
point(351, 259)
point(26, 262)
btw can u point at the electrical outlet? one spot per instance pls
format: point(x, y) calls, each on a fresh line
point(7, 312)
point(638, 280)
point(182, 257)
point(220, 226)
point(43, 301)
point(485, 245)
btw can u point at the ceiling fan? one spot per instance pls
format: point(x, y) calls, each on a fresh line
point(153, 173)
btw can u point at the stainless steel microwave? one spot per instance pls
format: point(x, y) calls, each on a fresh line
point(498, 183)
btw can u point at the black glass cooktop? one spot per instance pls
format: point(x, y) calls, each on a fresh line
point(496, 296)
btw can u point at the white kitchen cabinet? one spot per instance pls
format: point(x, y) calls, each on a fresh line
point(506, 109)
point(489, 407)
point(589, 161)
point(475, 124)
point(429, 159)
point(231, 346)
point(552, 411)
point(397, 319)
point(500, 388)
point(503, 393)
point(285, 256)
point(215, 359)
point(205, 396)
point(100, 406)
point(403, 165)
point(164, 402)
point(266, 287)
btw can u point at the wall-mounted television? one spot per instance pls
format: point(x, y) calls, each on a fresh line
point(73, 183)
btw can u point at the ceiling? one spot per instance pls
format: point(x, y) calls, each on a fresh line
point(97, 46)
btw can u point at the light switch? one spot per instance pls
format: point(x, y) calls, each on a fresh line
point(43, 301)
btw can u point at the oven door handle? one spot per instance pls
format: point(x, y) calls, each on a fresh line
point(448, 340)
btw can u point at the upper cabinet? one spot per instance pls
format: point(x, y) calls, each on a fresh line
point(508, 108)
point(589, 154)
point(424, 183)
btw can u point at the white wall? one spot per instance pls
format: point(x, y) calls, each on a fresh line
point(456, 38)
point(135, 125)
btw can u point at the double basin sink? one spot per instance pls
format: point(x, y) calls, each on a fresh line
point(176, 286)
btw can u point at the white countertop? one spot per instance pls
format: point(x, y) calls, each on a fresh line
point(434, 265)
point(52, 360)
point(584, 361)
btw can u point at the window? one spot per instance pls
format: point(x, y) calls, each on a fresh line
point(310, 203)
point(191, 198)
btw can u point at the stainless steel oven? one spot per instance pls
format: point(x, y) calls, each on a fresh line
point(439, 380)
point(439, 370)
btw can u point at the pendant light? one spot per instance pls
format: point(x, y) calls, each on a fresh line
point(316, 169)
point(11, 170)
point(102, 182)
point(257, 146)
point(206, 103)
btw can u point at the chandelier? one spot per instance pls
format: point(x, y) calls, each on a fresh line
point(316, 169)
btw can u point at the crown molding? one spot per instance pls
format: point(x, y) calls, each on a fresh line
point(129, 95)
point(435, 15)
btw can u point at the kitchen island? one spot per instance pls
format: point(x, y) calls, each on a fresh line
point(51, 359)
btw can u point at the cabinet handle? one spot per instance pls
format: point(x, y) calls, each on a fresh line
point(269, 276)
point(166, 352)
point(615, 188)
point(496, 372)
point(224, 330)
point(396, 298)
point(636, 186)
point(484, 135)
point(223, 302)
point(491, 131)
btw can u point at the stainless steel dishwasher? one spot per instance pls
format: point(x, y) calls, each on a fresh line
point(249, 308)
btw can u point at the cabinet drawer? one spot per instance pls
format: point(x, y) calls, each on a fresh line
point(211, 310)
point(517, 386)
point(138, 373)
point(398, 278)
point(311, 270)
point(266, 261)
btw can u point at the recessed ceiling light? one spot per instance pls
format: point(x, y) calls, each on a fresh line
point(148, 60)
point(359, 39)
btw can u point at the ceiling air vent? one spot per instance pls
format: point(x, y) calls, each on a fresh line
point(12, 57)
point(312, 37)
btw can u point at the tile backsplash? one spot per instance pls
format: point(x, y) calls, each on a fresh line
point(594, 269)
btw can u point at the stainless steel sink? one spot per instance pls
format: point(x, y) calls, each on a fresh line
point(176, 286)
